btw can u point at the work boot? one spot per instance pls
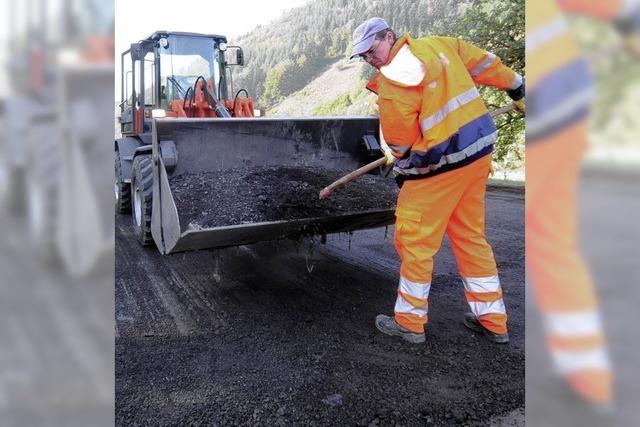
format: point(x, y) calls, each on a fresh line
point(561, 390)
point(387, 325)
point(472, 322)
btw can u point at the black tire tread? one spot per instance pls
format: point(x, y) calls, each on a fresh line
point(123, 204)
point(143, 173)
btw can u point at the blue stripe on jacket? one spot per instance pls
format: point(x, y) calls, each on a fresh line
point(466, 136)
point(560, 99)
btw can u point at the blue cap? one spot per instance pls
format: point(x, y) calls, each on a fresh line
point(364, 35)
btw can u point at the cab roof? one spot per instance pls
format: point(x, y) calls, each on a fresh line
point(159, 34)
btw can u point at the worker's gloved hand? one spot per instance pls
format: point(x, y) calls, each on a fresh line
point(519, 105)
point(517, 96)
point(629, 28)
point(387, 152)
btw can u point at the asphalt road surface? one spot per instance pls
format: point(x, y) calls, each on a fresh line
point(277, 334)
point(56, 339)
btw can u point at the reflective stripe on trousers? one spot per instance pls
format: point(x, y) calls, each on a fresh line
point(484, 296)
point(412, 301)
point(578, 350)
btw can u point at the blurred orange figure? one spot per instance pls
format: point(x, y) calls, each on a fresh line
point(560, 93)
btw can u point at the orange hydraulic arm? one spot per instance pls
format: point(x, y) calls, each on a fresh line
point(204, 104)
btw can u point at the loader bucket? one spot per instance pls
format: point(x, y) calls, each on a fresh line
point(215, 146)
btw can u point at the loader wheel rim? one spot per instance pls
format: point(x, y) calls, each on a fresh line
point(137, 206)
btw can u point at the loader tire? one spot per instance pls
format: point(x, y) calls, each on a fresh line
point(142, 194)
point(42, 213)
point(121, 189)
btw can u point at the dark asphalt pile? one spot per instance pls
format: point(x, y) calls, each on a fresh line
point(259, 194)
point(247, 336)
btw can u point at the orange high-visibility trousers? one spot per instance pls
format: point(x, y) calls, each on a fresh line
point(558, 89)
point(452, 202)
point(562, 285)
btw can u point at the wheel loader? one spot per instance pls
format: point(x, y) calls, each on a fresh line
point(53, 132)
point(179, 114)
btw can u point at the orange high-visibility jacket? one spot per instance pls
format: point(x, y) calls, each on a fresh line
point(431, 114)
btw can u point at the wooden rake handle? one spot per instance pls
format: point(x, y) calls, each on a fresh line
point(326, 192)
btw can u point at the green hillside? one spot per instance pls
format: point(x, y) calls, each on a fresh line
point(282, 59)
point(289, 53)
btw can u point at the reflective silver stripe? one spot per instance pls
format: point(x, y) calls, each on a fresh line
point(481, 284)
point(483, 142)
point(579, 324)
point(560, 112)
point(571, 361)
point(483, 65)
point(544, 34)
point(452, 158)
point(417, 290)
point(452, 105)
point(480, 308)
point(516, 83)
point(400, 149)
point(403, 306)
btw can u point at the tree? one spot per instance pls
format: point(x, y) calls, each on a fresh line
point(274, 82)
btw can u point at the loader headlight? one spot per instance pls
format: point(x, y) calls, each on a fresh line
point(222, 46)
point(163, 42)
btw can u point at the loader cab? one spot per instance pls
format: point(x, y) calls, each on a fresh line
point(160, 72)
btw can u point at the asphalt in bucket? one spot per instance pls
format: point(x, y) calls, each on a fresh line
point(263, 194)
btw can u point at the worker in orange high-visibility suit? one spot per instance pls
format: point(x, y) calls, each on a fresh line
point(440, 136)
point(560, 94)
